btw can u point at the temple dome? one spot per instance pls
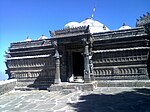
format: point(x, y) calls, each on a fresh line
point(124, 27)
point(94, 26)
point(42, 37)
point(72, 25)
point(91, 23)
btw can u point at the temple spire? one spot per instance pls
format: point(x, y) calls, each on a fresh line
point(94, 9)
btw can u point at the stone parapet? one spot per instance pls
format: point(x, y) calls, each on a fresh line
point(7, 85)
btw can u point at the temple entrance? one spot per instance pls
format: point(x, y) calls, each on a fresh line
point(78, 64)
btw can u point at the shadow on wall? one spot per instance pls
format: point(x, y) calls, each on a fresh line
point(133, 101)
point(45, 77)
point(42, 82)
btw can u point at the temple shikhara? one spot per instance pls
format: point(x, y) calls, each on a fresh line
point(81, 53)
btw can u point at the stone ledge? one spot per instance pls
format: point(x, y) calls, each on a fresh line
point(7, 85)
point(124, 83)
point(25, 88)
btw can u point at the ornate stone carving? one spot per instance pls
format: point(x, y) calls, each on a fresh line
point(70, 31)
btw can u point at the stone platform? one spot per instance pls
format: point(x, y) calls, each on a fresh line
point(102, 99)
point(92, 85)
point(74, 86)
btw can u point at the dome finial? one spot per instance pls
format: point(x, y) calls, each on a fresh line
point(94, 9)
point(27, 39)
point(124, 24)
point(42, 37)
point(104, 27)
point(93, 12)
point(124, 27)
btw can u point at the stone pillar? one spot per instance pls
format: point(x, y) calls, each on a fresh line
point(69, 64)
point(91, 70)
point(57, 62)
point(86, 63)
point(90, 59)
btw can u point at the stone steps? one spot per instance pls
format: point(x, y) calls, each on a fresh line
point(70, 87)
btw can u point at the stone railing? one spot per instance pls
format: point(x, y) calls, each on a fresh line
point(7, 85)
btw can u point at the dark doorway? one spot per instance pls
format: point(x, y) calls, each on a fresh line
point(78, 64)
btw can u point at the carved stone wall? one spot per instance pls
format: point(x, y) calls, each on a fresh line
point(121, 58)
point(38, 71)
point(33, 65)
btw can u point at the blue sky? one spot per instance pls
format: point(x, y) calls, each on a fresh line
point(22, 18)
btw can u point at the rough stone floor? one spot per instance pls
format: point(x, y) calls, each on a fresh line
point(100, 100)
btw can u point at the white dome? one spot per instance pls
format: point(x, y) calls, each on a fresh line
point(42, 37)
point(124, 27)
point(72, 25)
point(28, 39)
point(91, 23)
point(94, 26)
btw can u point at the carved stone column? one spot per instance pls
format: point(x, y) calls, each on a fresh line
point(86, 61)
point(57, 63)
point(91, 40)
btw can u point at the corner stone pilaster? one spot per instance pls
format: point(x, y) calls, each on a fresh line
point(57, 63)
point(87, 77)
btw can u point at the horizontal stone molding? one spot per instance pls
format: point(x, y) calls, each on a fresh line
point(28, 57)
point(121, 66)
point(122, 49)
point(32, 74)
point(124, 83)
point(121, 59)
point(31, 44)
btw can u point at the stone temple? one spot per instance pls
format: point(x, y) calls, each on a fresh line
point(81, 53)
